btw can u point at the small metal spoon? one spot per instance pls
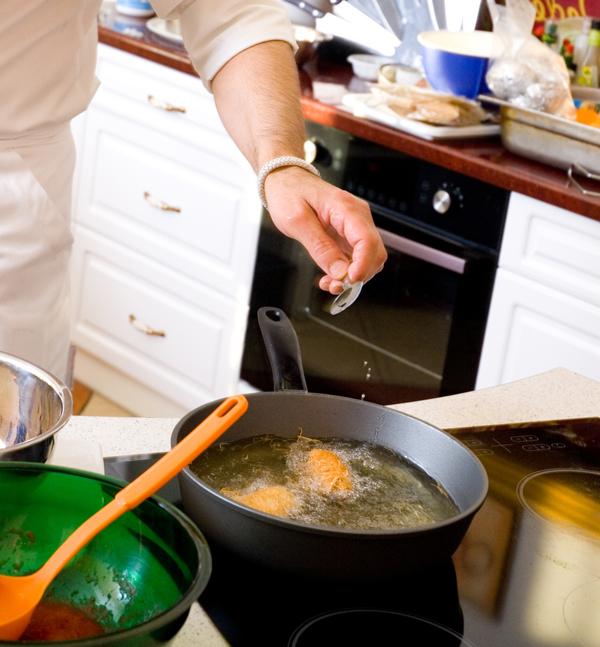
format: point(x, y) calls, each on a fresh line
point(347, 297)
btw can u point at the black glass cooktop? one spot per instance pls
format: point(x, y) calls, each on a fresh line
point(527, 573)
point(528, 570)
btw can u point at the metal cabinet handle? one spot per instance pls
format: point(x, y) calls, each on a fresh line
point(142, 327)
point(422, 252)
point(585, 173)
point(163, 105)
point(159, 204)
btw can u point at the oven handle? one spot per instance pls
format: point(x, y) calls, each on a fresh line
point(422, 252)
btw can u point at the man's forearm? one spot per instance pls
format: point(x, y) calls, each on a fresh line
point(258, 99)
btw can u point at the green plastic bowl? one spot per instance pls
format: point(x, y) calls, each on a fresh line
point(143, 571)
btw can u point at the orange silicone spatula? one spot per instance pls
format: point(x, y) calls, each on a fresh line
point(20, 595)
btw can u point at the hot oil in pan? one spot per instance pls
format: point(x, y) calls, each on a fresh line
point(329, 482)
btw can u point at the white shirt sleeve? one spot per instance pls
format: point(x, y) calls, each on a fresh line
point(214, 31)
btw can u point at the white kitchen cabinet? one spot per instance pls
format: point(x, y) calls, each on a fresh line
point(545, 310)
point(166, 222)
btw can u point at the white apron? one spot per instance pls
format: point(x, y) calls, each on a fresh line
point(36, 174)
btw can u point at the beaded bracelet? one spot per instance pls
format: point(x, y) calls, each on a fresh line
point(278, 162)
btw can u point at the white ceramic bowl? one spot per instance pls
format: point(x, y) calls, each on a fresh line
point(367, 66)
point(400, 74)
point(408, 75)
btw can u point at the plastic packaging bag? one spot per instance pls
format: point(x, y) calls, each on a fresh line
point(528, 74)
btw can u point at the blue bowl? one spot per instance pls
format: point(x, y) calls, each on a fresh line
point(456, 62)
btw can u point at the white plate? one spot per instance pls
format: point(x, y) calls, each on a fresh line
point(418, 128)
point(158, 26)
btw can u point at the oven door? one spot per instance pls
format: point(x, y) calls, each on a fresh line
point(414, 333)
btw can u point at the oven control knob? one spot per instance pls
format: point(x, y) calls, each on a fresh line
point(315, 152)
point(441, 201)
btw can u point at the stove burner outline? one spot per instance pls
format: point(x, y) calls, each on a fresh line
point(297, 636)
point(584, 602)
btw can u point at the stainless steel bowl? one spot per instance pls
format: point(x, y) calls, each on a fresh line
point(34, 405)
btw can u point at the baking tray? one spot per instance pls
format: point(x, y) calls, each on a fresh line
point(426, 131)
point(546, 138)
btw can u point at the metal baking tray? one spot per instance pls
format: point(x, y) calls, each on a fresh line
point(549, 139)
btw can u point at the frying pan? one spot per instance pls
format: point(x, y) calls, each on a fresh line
point(305, 550)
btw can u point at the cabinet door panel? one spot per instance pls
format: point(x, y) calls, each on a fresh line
point(193, 362)
point(214, 235)
point(533, 329)
point(199, 211)
point(553, 246)
point(153, 92)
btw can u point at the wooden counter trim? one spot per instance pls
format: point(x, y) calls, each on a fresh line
point(485, 160)
point(495, 165)
point(170, 58)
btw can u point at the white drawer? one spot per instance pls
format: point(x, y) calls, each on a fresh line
point(553, 246)
point(128, 82)
point(197, 359)
point(214, 235)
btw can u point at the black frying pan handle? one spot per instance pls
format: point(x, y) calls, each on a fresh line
point(283, 350)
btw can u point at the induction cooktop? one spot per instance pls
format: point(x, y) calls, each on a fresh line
point(528, 570)
point(527, 573)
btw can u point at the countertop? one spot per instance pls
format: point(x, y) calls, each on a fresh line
point(556, 395)
point(323, 84)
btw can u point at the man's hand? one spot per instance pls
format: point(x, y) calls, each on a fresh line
point(336, 228)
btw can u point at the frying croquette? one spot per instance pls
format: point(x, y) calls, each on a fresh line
point(275, 500)
point(329, 470)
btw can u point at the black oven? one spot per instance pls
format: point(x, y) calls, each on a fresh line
point(417, 328)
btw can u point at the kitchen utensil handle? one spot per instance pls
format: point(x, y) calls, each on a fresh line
point(422, 252)
point(159, 204)
point(163, 105)
point(147, 330)
point(283, 350)
point(585, 173)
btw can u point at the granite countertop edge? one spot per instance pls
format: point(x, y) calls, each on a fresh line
point(558, 394)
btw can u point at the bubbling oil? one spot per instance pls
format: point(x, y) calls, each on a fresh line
point(386, 492)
